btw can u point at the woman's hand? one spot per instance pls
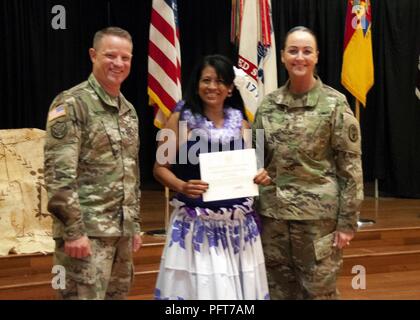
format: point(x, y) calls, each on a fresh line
point(342, 239)
point(262, 177)
point(194, 188)
point(137, 242)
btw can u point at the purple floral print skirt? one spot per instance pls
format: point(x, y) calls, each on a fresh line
point(212, 255)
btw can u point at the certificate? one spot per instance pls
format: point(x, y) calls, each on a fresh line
point(230, 174)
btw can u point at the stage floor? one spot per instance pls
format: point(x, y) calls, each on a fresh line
point(389, 250)
point(390, 213)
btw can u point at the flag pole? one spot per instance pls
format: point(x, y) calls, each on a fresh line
point(357, 110)
point(362, 221)
point(166, 209)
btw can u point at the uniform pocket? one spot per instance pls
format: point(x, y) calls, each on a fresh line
point(315, 137)
point(114, 138)
point(81, 271)
point(275, 131)
point(323, 247)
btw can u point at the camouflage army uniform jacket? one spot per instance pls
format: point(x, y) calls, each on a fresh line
point(91, 164)
point(312, 151)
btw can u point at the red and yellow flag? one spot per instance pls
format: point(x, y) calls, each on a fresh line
point(357, 71)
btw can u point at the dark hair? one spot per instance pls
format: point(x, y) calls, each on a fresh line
point(224, 70)
point(111, 31)
point(300, 28)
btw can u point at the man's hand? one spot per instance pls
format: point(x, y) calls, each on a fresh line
point(137, 242)
point(79, 248)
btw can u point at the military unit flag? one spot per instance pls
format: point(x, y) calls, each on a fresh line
point(357, 71)
point(256, 74)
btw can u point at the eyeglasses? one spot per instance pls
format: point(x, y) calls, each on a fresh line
point(207, 82)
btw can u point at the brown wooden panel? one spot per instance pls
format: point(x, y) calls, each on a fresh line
point(393, 285)
point(384, 263)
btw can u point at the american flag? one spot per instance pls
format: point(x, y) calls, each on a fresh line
point(57, 112)
point(164, 78)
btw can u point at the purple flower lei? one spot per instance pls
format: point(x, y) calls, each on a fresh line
point(231, 126)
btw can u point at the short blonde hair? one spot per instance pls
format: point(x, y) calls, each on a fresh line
point(111, 31)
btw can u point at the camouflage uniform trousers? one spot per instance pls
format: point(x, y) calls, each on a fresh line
point(300, 260)
point(106, 274)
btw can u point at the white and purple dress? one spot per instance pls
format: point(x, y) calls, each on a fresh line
point(213, 249)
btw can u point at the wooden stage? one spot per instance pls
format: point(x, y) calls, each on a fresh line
point(387, 251)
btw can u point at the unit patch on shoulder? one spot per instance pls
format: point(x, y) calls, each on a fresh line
point(353, 133)
point(57, 112)
point(59, 130)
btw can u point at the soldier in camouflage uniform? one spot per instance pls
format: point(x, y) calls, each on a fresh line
point(92, 175)
point(312, 153)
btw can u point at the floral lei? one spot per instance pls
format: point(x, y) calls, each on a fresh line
point(231, 126)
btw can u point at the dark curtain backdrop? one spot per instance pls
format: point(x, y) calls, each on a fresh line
point(39, 62)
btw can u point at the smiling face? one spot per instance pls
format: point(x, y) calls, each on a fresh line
point(300, 54)
point(212, 89)
point(111, 61)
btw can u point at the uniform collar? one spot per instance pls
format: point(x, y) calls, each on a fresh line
point(308, 99)
point(102, 94)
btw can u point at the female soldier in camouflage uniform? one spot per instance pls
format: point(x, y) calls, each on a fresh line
point(313, 155)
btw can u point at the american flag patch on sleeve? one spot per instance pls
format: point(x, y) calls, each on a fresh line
point(57, 112)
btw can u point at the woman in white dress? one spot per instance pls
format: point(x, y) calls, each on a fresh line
point(213, 249)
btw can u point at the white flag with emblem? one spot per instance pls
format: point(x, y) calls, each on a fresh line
point(257, 61)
